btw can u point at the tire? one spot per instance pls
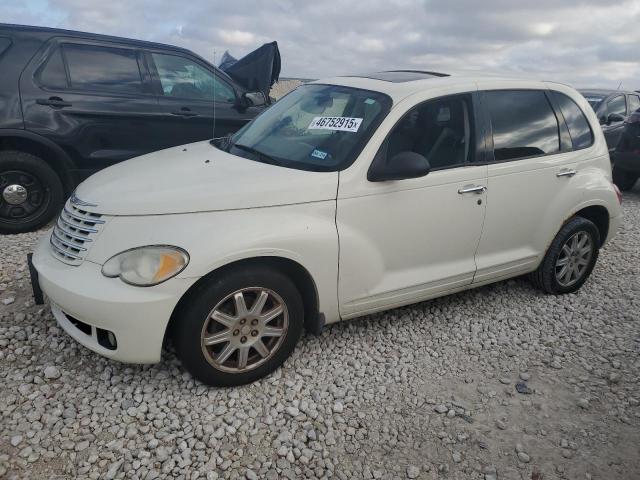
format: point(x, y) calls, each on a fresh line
point(31, 192)
point(623, 179)
point(549, 277)
point(212, 309)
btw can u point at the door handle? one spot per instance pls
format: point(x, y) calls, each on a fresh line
point(55, 102)
point(566, 173)
point(184, 113)
point(477, 189)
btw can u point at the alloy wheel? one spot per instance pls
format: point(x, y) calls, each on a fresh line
point(244, 329)
point(574, 259)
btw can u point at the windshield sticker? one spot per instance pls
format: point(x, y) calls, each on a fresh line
point(319, 154)
point(342, 124)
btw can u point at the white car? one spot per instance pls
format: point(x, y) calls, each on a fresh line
point(348, 196)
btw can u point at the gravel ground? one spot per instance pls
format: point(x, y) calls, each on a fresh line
point(426, 391)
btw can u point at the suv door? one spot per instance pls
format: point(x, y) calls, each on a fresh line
point(94, 99)
point(613, 129)
point(530, 174)
point(408, 240)
point(189, 94)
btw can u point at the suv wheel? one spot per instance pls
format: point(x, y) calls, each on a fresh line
point(623, 179)
point(30, 192)
point(239, 327)
point(570, 258)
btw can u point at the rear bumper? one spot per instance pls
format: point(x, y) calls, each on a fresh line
point(137, 316)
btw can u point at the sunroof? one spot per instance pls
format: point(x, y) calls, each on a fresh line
point(399, 76)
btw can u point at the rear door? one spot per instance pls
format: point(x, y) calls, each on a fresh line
point(92, 98)
point(190, 95)
point(531, 167)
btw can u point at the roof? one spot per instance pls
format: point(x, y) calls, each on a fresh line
point(399, 84)
point(52, 32)
point(602, 91)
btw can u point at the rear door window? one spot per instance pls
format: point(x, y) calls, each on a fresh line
point(53, 74)
point(523, 123)
point(579, 129)
point(634, 103)
point(617, 105)
point(98, 68)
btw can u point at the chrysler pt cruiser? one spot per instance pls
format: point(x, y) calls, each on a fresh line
point(349, 196)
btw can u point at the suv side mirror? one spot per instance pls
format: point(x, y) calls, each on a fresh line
point(254, 99)
point(614, 118)
point(399, 167)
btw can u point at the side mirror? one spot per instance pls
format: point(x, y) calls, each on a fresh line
point(614, 118)
point(399, 167)
point(254, 99)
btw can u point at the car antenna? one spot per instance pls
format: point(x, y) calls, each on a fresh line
point(619, 85)
point(214, 94)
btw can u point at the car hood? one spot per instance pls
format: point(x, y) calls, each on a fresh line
point(197, 178)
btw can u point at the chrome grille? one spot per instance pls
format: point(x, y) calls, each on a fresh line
point(73, 233)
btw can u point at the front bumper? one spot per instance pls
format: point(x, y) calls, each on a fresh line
point(137, 316)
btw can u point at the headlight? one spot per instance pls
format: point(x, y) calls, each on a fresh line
point(146, 266)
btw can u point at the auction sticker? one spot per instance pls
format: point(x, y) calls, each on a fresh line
point(343, 124)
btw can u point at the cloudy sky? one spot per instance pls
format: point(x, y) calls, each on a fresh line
point(592, 43)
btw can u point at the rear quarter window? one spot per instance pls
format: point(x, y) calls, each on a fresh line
point(577, 123)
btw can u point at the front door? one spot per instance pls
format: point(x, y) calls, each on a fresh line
point(408, 240)
point(613, 129)
point(191, 96)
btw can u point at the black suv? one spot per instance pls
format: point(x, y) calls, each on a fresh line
point(612, 108)
point(72, 103)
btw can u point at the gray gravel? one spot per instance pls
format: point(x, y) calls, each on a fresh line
point(426, 391)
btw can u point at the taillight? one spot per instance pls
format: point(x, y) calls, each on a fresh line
point(618, 194)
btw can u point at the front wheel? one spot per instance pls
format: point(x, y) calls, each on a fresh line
point(570, 258)
point(239, 327)
point(31, 192)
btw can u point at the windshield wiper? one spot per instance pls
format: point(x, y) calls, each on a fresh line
point(223, 143)
point(262, 157)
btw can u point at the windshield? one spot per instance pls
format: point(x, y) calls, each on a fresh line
point(593, 99)
point(315, 127)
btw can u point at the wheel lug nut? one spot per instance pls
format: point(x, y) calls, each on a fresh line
point(243, 339)
point(236, 332)
point(243, 321)
point(254, 321)
point(254, 333)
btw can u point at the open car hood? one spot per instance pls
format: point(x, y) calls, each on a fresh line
point(256, 71)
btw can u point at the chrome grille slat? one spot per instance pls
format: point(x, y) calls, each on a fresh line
point(72, 233)
point(73, 246)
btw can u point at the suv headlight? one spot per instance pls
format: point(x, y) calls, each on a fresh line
point(146, 266)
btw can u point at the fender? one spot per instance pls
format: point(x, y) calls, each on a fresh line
point(67, 164)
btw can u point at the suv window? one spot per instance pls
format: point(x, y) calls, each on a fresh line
point(617, 105)
point(579, 129)
point(440, 130)
point(103, 68)
point(183, 78)
point(634, 103)
point(523, 123)
point(53, 74)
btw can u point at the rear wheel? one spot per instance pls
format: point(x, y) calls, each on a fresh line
point(623, 179)
point(30, 192)
point(240, 327)
point(570, 258)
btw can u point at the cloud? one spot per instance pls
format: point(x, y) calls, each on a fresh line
point(237, 38)
point(582, 42)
